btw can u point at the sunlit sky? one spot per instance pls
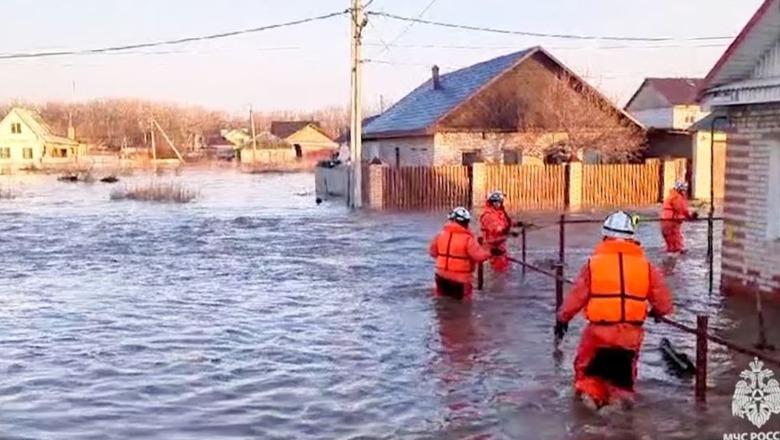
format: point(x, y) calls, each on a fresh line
point(307, 66)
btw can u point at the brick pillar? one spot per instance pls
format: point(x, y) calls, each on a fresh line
point(575, 185)
point(479, 190)
point(376, 186)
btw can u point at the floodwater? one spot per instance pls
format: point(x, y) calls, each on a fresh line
point(256, 314)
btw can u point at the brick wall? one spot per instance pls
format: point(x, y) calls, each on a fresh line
point(751, 205)
point(449, 146)
point(414, 151)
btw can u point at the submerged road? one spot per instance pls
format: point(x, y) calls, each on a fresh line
point(254, 313)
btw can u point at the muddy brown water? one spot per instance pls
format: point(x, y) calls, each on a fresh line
point(255, 313)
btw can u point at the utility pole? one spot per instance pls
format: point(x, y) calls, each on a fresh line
point(254, 135)
point(358, 23)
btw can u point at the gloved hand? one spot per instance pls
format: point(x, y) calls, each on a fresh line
point(653, 314)
point(694, 215)
point(496, 252)
point(560, 329)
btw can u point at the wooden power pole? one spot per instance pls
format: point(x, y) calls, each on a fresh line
point(358, 23)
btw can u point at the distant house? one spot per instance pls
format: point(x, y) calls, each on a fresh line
point(744, 86)
point(667, 107)
point(26, 140)
point(226, 143)
point(472, 114)
point(267, 149)
point(308, 139)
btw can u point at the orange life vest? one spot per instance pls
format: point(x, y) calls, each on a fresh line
point(619, 284)
point(669, 210)
point(452, 252)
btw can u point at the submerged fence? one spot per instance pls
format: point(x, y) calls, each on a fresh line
point(528, 187)
point(703, 337)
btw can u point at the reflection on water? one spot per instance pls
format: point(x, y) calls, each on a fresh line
point(255, 313)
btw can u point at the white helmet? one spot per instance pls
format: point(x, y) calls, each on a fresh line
point(496, 197)
point(460, 214)
point(681, 186)
point(619, 225)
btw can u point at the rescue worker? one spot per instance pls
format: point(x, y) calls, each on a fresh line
point(495, 225)
point(614, 287)
point(675, 211)
point(457, 254)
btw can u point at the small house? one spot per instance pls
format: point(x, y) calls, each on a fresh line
point(667, 108)
point(309, 141)
point(744, 88)
point(509, 109)
point(27, 141)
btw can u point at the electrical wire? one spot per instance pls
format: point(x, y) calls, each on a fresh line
point(171, 42)
point(623, 47)
point(412, 23)
point(540, 34)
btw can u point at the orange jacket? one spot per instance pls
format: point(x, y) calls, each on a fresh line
point(675, 207)
point(619, 283)
point(622, 334)
point(494, 224)
point(457, 253)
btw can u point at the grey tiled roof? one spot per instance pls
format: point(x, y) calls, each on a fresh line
point(424, 106)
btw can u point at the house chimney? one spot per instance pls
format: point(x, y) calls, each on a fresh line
point(436, 82)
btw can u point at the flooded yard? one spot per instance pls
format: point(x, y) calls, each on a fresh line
point(254, 313)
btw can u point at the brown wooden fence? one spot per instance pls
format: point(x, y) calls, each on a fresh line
point(621, 185)
point(422, 188)
point(528, 187)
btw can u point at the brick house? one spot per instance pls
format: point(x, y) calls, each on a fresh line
point(473, 115)
point(744, 86)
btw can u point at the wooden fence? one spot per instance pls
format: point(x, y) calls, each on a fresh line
point(621, 185)
point(528, 187)
point(419, 188)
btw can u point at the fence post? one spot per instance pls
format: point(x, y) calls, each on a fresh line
point(523, 238)
point(559, 265)
point(701, 358)
point(762, 343)
point(710, 249)
point(480, 270)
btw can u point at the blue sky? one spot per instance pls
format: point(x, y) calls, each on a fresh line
point(307, 66)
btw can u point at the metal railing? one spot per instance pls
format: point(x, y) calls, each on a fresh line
point(703, 337)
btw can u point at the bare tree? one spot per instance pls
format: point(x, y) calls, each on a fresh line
point(553, 113)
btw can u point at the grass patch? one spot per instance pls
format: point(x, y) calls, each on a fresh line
point(162, 192)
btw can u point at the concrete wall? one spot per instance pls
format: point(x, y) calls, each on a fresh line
point(331, 182)
point(268, 156)
point(751, 242)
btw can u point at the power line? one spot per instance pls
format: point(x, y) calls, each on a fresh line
point(621, 47)
point(539, 34)
point(412, 23)
point(171, 42)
